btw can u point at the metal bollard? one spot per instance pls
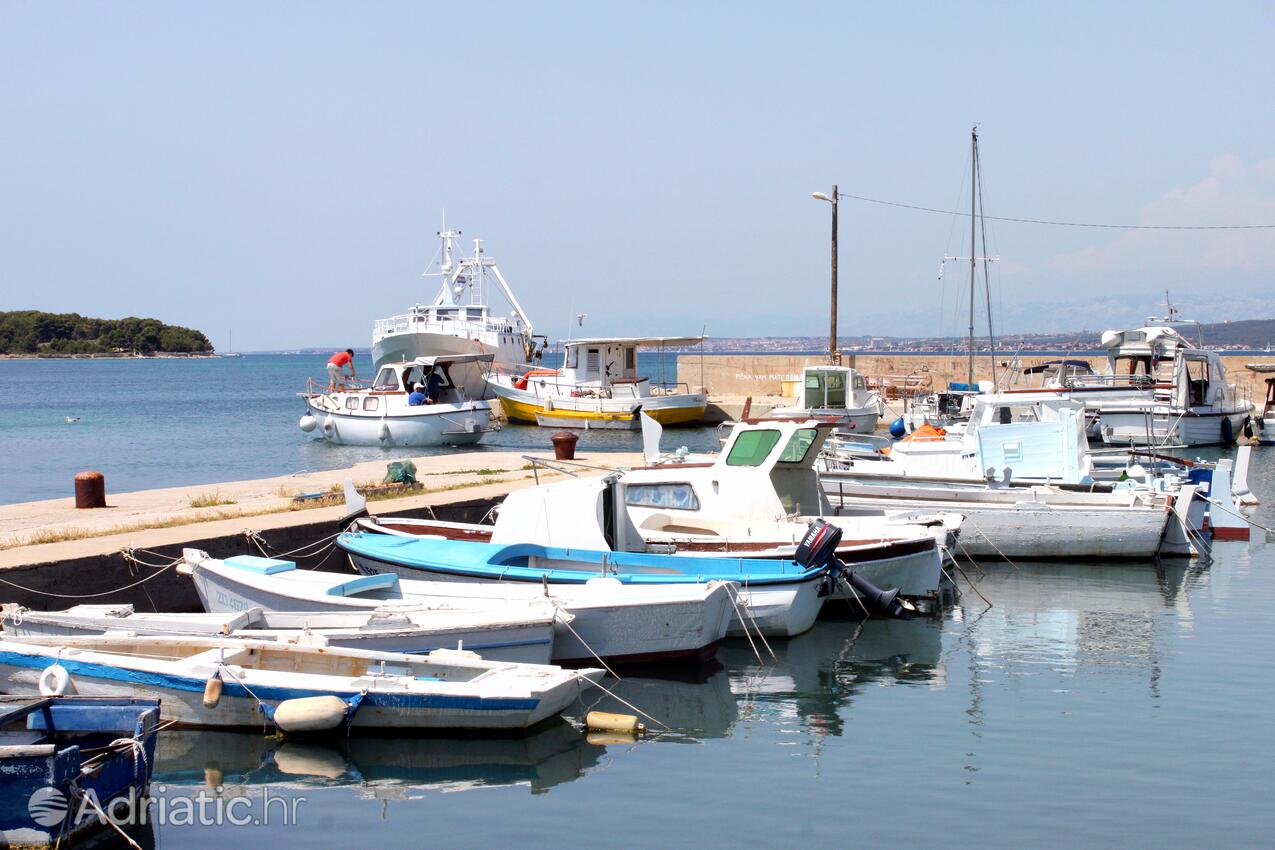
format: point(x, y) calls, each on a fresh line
point(564, 445)
point(90, 490)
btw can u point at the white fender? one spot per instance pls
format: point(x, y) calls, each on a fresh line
point(329, 426)
point(310, 714)
point(385, 431)
point(308, 423)
point(55, 681)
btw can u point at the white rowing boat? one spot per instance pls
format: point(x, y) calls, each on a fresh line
point(607, 619)
point(524, 635)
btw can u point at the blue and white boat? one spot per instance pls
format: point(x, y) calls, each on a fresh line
point(779, 597)
point(59, 756)
point(220, 682)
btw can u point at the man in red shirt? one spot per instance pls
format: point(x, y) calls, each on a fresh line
point(338, 360)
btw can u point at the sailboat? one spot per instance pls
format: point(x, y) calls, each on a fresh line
point(230, 347)
point(956, 403)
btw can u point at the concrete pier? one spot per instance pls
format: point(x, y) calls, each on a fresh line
point(55, 556)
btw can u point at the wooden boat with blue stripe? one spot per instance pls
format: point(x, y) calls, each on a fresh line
point(446, 689)
point(781, 597)
point(53, 750)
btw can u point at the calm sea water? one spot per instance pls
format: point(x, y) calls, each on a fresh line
point(167, 423)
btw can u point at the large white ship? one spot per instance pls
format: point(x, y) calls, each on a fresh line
point(459, 320)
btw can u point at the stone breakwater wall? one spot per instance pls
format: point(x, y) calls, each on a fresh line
point(730, 375)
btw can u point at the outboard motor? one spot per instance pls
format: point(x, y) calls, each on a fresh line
point(818, 548)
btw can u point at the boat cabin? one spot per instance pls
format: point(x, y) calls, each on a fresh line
point(607, 368)
point(764, 474)
point(832, 388)
point(463, 375)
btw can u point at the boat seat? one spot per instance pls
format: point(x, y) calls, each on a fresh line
point(362, 584)
point(261, 566)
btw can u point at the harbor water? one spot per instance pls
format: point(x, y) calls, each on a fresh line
point(149, 423)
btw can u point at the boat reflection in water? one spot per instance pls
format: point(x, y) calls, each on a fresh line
point(383, 768)
point(1073, 616)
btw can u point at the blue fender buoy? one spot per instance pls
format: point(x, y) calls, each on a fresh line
point(897, 428)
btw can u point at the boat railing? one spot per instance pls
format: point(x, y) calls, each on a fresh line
point(547, 385)
point(319, 387)
point(563, 467)
point(1134, 382)
point(452, 326)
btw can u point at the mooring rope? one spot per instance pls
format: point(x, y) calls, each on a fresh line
point(621, 699)
point(156, 574)
point(744, 624)
point(596, 657)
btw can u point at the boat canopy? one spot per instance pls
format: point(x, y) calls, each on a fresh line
point(440, 359)
point(1049, 365)
point(636, 341)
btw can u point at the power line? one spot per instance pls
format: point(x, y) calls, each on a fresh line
point(1066, 223)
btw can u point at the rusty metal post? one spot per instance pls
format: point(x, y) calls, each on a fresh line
point(90, 490)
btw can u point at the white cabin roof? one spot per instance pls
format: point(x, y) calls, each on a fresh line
point(636, 340)
point(448, 358)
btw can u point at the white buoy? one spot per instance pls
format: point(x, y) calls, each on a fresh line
point(310, 714)
point(308, 423)
point(55, 681)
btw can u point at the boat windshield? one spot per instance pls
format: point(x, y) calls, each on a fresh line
point(799, 446)
point(385, 379)
point(751, 448)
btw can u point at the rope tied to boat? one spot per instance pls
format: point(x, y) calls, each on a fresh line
point(623, 701)
point(1234, 513)
point(159, 571)
point(567, 622)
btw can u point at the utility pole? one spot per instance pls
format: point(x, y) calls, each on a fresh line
point(834, 356)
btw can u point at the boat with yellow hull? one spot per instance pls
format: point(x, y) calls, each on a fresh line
point(598, 387)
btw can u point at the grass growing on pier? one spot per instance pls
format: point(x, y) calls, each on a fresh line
point(210, 500)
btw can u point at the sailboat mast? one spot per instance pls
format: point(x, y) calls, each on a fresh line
point(973, 253)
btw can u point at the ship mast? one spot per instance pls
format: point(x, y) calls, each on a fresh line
point(973, 259)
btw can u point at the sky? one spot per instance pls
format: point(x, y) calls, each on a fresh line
point(280, 169)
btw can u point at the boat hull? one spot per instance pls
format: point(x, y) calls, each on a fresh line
point(1139, 428)
point(682, 627)
point(526, 643)
point(1021, 528)
point(182, 695)
point(648, 626)
point(406, 346)
point(460, 424)
point(526, 407)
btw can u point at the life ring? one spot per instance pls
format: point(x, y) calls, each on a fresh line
point(54, 681)
point(521, 383)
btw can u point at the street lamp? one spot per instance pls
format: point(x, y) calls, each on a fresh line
point(834, 356)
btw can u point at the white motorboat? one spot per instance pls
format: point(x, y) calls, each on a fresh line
point(459, 320)
point(1160, 389)
point(524, 635)
point(754, 500)
point(383, 415)
point(224, 682)
point(838, 392)
point(607, 619)
point(599, 386)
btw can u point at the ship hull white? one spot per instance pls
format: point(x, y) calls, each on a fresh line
point(1153, 428)
point(407, 346)
point(459, 424)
